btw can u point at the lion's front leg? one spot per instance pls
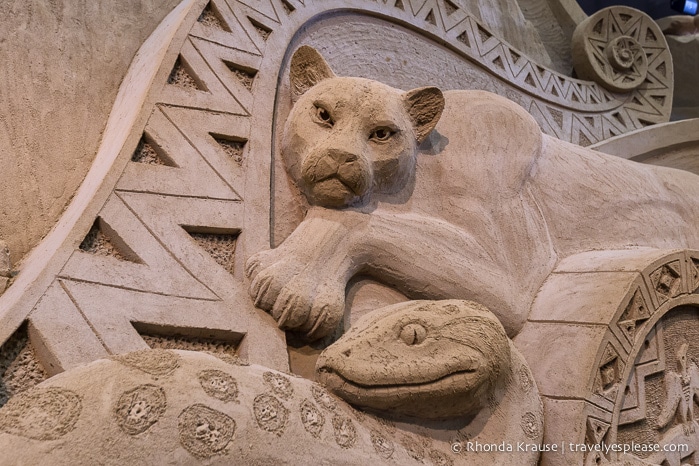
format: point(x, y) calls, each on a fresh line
point(302, 282)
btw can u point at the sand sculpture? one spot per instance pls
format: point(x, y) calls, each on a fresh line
point(582, 326)
point(681, 25)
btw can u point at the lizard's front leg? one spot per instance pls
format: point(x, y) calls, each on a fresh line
point(302, 282)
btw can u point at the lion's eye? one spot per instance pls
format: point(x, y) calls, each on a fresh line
point(382, 134)
point(323, 116)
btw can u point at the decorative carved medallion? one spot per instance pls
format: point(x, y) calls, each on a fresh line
point(620, 48)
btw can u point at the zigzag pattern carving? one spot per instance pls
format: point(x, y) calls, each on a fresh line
point(577, 111)
point(154, 209)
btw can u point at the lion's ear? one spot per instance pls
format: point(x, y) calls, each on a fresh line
point(424, 105)
point(308, 68)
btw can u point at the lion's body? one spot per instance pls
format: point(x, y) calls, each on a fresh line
point(483, 209)
point(496, 158)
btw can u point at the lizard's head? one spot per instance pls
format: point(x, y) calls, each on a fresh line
point(427, 359)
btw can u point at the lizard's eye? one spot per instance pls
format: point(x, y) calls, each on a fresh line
point(382, 134)
point(413, 334)
point(323, 117)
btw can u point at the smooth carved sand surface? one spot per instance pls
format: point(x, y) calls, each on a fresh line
point(62, 62)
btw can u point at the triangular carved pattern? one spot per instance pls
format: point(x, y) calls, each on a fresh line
point(100, 243)
point(473, 36)
point(649, 361)
point(146, 152)
point(133, 257)
point(232, 33)
point(595, 430)
point(220, 246)
point(212, 18)
point(694, 275)
point(637, 311)
point(20, 369)
point(667, 281)
point(257, 17)
point(484, 47)
point(491, 52)
point(608, 377)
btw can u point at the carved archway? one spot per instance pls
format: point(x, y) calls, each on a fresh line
point(613, 315)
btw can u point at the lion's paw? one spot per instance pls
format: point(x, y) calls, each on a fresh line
point(310, 305)
point(260, 261)
point(299, 296)
point(268, 278)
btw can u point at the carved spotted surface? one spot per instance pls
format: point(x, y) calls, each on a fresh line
point(103, 412)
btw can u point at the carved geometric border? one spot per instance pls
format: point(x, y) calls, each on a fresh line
point(648, 283)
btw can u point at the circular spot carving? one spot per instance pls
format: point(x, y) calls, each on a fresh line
point(41, 413)
point(413, 447)
point(531, 425)
point(312, 419)
point(383, 446)
point(440, 459)
point(140, 408)
point(280, 385)
point(345, 433)
point(219, 385)
point(270, 414)
point(153, 361)
point(205, 432)
point(323, 398)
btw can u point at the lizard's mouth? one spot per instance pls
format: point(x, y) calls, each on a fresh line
point(388, 395)
point(453, 395)
point(333, 380)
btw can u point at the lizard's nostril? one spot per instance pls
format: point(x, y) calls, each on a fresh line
point(346, 353)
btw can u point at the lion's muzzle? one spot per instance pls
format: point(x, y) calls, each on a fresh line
point(335, 178)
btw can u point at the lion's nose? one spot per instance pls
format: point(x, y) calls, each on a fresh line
point(341, 156)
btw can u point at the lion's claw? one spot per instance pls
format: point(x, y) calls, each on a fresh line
point(299, 297)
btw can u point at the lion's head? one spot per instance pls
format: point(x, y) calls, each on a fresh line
point(346, 138)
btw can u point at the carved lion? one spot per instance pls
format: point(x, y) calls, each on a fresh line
point(446, 195)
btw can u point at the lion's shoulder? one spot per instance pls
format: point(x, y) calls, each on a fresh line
point(481, 137)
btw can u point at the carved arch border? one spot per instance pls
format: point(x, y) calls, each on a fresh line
point(601, 306)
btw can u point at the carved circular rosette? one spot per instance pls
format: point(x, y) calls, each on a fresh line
point(613, 48)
